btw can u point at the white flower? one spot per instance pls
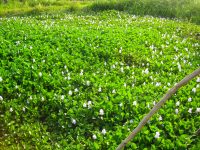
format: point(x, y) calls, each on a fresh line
point(189, 99)
point(84, 105)
point(177, 103)
point(160, 118)
point(101, 112)
point(179, 67)
point(94, 137)
point(81, 73)
point(89, 104)
point(113, 66)
point(131, 121)
point(121, 104)
point(87, 83)
point(40, 74)
point(62, 97)
point(151, 47)
point(122, 69)
point(68, 77)
point(146, 71)
point(176, 111)
point(154, 103)
point(148, 106)
point(157, 135)
point(151, 77)
point(125, 85)
point(190, 110)
point(70, 92)
point(42, 98)
point(176, 48)
point(99, 89)
point(135, 103)
point(198, 110)
point(75, 90)
point(158, 83)
point(1, 98)
point(198, 79)
point(31, 47)
point(17, 42)
point(194, 90)
point(33, 60)
point(24, 109)
point(11, 110)
point(103, 131)
point(1, 79)
point(18, 94)
point(113, 91)
point(73, 121)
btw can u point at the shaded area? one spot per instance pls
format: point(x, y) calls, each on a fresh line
point(184, 9)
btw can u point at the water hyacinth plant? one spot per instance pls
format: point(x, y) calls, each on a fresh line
point(85, 81)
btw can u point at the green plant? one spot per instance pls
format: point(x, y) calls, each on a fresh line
point(85, 81)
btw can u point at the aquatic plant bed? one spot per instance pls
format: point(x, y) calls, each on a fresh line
point(85, 81)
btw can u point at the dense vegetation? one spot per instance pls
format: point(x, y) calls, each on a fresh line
point(184, 9)
point(85, 81)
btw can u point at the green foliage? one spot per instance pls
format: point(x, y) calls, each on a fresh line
point(185, 9)
point(85, 81)
point(182, 9)
point(38, 7)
